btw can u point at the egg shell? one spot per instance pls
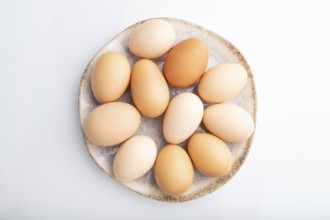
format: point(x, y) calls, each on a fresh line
point(222, 82)
point(182, 117)
point(110, 77)
point(152, 39)
point(186, 62)
point(209, 154)
point(149, 89)
point(135, 157)
point(174, 171)
point(228, 122)
point(112, 123)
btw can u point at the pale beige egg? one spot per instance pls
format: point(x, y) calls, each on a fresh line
point(110, 77)
point(112, 123)
point(209, 154)
point(174, 171)
point(222, 82)
point(152, 39)
point(182, 117)
point(186, 62)
point(228, 122)
point(149, 89)
point(135, 157)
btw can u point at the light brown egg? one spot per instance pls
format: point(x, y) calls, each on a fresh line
point(112, 123)
point(186, 62)
point(210, 155)
point(174, 171)
point(222, 82)
point(110, 77)
point(152, 39)
point(149, 89)
point(228, 122)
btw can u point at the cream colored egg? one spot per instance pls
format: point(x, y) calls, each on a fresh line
point(210, 155)
point(110, 77)
point(174, 171)
point(182, 117)
point(112, 123)
point(149, 89)
point(228, 122)
point(134, 158)
point(152, 39)
point(222, 82)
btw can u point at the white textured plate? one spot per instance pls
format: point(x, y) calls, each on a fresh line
point(221, 51)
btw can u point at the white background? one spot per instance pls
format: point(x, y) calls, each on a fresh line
point(45, 170)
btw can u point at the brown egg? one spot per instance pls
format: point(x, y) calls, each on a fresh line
point(112, 123)
point(110, 77)
point(149, 89)
point(174, 171)
point(186, 62)
point(210, 155)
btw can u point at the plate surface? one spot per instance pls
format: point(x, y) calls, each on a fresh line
point(220, 51)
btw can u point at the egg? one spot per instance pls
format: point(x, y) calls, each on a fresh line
point(174, 171)
point(209, 154)
point(228, 122)
point(186, 62)
point(152, 39)
point(182, 117)
point(149, 89)
point(110, 77)
point(135, 157)
point(222, 82)
point(111, 123)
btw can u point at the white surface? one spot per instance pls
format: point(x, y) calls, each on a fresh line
point(45, 170)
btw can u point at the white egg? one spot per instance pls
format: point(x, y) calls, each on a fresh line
point(134, 158)
point(228, 122)
point(222, 82)
point(152, 39)
point(182, 117)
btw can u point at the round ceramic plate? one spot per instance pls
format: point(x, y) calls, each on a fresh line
point(220, 51)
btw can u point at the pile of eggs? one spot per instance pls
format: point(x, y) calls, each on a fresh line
point(114, 122)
